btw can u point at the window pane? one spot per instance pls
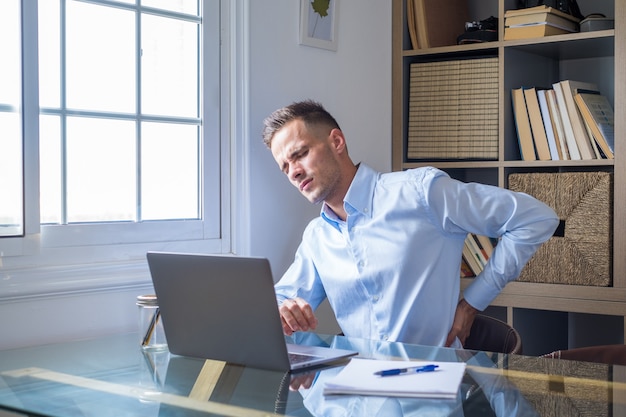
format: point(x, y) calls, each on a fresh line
point(49, 54)
point(11, 183)
point(169, 67)
point(101, 170)
point(169, 171)
point(11, 175)
point(10, 70)
point(183, 6)
point(100, 58)
point(50, 169)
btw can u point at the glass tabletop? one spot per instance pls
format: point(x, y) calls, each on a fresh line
point(112, 376)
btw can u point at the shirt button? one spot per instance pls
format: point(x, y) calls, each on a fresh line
point(375, 298)
point(365, 210)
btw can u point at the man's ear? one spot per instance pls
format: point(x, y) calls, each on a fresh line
point(338, 140)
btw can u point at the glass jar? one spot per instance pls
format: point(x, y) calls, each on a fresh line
point(150, 324)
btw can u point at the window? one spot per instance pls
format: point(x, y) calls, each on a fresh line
point(11, 219)
point(127, 150)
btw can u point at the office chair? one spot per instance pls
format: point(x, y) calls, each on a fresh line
point(489, 335)
point(607, 354)
point(493, 335)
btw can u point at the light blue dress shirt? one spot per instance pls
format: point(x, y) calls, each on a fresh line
point(391, 270)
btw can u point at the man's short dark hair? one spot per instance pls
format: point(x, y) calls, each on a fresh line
point(310, 112)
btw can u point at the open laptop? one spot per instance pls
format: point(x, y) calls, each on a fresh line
point(224, 308)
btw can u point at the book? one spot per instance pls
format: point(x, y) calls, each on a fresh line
point(598, 115)
point(471, 259)
point(466, 271)
point(536, 124)
point(594, 145)
point(568, 130)
point(486, 244)
point(522, 123)
point(562, 20)
point(541, 9)
point(429, 16)
point(478, 252)
point(410, 22)
point(555, 153)
point(533, 31)
point(358, 378)
point(580, 133)
point(557, 124)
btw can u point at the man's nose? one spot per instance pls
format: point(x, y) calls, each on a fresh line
point(295, 171)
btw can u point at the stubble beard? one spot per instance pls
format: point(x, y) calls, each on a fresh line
point(326, 189)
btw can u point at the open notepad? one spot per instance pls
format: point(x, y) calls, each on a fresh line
point(358, 377)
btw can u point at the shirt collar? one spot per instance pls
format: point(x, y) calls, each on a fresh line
point(358, 199)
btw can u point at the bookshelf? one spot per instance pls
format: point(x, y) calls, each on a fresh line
point(597, 57)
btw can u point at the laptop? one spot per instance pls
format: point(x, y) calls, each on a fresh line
point(224, 308)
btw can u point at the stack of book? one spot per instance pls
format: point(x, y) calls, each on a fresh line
point(477, 250)
point(569, 120)
point(536, 22)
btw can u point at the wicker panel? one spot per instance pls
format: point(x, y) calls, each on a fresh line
point(453, 110)
point(582, 253)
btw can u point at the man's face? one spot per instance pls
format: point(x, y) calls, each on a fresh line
point(309, 160)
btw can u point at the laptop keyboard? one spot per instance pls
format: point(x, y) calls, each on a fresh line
point(300, 357)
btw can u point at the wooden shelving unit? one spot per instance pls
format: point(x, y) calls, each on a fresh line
point(598, 57)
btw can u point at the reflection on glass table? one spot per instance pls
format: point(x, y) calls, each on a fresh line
point(114, 377)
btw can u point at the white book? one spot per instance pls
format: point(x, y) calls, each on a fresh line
point(570, 139)
point(557, 124)
point(580, 131)
point(476, 249)
point(556, 25)
point(547, 124)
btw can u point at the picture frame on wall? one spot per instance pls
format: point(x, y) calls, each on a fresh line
point(318, 23)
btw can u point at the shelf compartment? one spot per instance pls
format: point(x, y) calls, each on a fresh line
point(571, 46)
point(453, 110)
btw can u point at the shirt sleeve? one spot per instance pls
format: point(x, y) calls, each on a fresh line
point(301, 280)
point(521, 222)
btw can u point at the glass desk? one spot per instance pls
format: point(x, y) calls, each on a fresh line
point(113, 377)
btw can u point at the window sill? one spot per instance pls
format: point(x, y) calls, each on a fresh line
point(55, 281)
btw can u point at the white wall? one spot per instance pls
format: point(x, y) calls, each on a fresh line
point(353, 83)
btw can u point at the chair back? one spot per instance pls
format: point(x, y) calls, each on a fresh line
point(493, 335)
point(607, 354)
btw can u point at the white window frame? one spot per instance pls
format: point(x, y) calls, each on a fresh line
point(84, 257)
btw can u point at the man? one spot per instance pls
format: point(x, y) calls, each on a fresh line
point(386, 249)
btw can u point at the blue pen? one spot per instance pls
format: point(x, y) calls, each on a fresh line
point(400, 371)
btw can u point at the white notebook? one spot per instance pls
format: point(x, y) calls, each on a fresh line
point(358, 377)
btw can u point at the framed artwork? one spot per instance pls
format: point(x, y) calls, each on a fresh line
point(318, 23)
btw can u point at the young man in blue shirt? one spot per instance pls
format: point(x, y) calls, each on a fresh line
point(386, 249)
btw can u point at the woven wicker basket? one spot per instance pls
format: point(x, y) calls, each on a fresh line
point(580, 253)
point(556, 387)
